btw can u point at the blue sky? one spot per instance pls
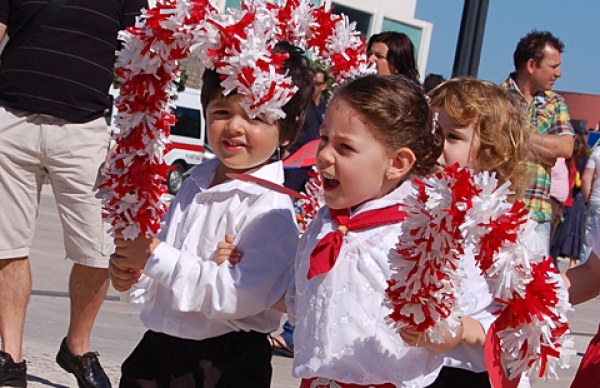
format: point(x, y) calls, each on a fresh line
point(575, 22)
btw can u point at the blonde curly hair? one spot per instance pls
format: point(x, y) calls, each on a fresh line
point(499, 123)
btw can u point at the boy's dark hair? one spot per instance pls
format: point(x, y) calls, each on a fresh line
point(397, 111)
point(297, 66)
point(532, 45)
point(401, 52)
point(431, 81)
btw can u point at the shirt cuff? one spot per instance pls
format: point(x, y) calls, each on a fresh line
point(162, 263)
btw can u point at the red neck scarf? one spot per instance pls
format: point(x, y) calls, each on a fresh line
point(325, 254)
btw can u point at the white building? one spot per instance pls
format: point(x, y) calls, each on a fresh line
point(374, 16)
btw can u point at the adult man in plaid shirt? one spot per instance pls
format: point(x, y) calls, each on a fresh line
point(537, 66)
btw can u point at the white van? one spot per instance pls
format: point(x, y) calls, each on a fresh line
point(187, 136)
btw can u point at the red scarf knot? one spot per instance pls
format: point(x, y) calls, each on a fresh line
point(326, 252)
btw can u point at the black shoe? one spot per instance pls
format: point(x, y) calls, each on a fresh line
point(86, 368)
point(12, 374)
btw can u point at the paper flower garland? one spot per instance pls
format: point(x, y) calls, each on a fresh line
point(454, 209)
point(237, 44)
point(309, 207)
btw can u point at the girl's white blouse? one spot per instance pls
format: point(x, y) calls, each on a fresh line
point(341, 330)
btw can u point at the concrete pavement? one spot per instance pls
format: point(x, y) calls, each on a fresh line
point(118, 328)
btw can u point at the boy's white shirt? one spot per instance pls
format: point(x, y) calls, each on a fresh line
point(186, 294)
point(341, 330)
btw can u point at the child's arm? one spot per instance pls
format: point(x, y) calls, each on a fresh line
point(268, 239)
point(280, 305)
point(583, 281)
point(473, 332)
point(227, 251)
point(421, 340)
point(134, 253)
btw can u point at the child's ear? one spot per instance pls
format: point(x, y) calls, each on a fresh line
point(401, 163)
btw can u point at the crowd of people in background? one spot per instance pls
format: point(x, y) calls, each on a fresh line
point(199, 322)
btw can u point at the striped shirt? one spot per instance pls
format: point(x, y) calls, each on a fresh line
point(547, 115)
point(65, 68)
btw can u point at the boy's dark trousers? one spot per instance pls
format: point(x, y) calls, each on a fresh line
point(237, 359)
point(460, 378)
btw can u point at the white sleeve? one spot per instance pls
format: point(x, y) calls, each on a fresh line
point(268, 242)
point(476, 297)
point(591, 162)
point(144, 290)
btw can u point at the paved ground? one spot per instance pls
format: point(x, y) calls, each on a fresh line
point(118, 329)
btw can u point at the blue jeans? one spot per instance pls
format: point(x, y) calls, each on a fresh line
point(593, 211)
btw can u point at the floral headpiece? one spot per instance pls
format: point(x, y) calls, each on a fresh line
point(238, 45)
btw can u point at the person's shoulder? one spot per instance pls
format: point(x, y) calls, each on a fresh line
point(554, 97)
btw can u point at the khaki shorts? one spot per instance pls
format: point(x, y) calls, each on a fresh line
point(34, 148)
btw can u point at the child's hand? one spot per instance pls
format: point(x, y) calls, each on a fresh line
point(414, 338)
point(226, 251)
point(133, 253)
point(473, 333)
point(122, 278)
point(422, 340)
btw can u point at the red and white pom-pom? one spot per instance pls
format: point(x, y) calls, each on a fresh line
point(532, 323)
point(459, 208)
point(147, 68)
point(427, 274)
point(314, 200)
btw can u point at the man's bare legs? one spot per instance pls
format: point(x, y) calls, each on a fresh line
point(87, 289)
point(15, 281)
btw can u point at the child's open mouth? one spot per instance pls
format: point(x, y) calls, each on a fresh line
point(329, 182)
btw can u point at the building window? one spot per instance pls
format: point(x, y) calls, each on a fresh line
point(233, 4)
point(413, 33)
point(362, 19)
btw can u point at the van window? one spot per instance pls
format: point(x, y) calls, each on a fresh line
point(188, 122)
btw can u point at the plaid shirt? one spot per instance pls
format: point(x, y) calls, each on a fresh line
point(547, 115)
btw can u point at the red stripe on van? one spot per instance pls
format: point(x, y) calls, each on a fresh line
point(188, 147)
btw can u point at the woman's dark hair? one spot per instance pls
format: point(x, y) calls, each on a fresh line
point(401, 53)
point(297, 66)
point(397, 111)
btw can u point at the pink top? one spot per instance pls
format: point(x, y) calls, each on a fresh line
point(559, 181)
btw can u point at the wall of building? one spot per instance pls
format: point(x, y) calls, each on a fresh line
point(583, 107)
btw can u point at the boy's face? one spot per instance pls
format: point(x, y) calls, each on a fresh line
point(461, 143)
point(351, 160)
point(239, 142)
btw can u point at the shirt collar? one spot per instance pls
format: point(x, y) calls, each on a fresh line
point(396, 197)
point(204, 173)
point(512, 85)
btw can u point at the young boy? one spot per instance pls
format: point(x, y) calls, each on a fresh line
point(208, 324)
